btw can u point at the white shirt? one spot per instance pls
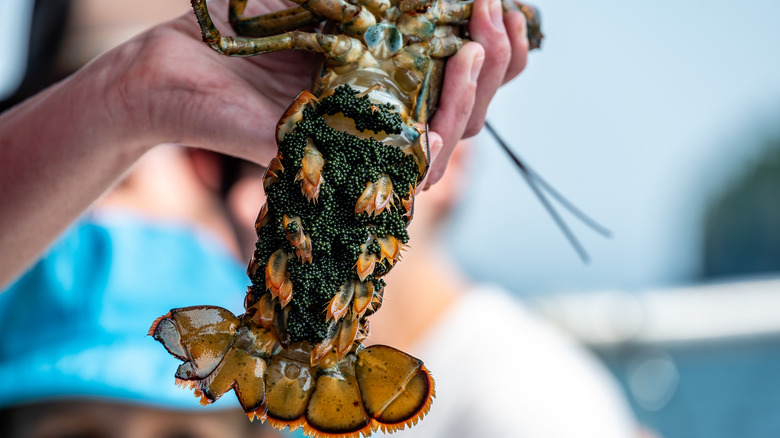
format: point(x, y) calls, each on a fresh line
point(502, 372)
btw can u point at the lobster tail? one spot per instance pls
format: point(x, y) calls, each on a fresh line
point(325, 239)
point(374, 388)
point(377, 388)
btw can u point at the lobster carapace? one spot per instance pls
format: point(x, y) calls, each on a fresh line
point(340, 193)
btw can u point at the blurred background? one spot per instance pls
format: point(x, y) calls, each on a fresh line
point(659, 119)
point(662, 121)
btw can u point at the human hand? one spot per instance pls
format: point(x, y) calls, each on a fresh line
point(498, 53)
point(64, 147)
point(231, 105)
point(173, 88)
point(166, 86)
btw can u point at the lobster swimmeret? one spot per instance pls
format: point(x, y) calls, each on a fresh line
point(340, 195)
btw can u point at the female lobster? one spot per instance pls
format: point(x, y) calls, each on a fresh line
point(340, 194)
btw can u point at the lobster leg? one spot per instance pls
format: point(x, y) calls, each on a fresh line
point(339, 49)
point(354, 19)
point(268, 24)
point(458, 13)
point(533, 20)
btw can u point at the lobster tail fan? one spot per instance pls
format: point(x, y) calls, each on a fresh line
point(242, 372)
point(396, 388)
point(335, 407)
point(290, 381)
point(217, 354)
point(198, 335)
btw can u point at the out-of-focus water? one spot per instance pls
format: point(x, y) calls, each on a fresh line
point(713, 389)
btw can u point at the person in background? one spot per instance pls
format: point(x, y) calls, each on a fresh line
point(73, 353)
point(500, 371)
point(168, 236)
point(73, 348)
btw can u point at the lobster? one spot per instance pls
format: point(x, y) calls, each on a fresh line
point(340, 194)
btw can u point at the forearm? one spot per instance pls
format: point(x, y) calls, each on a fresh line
point(62, 149)
point(59, 152)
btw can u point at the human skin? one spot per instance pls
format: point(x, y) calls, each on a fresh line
point(63, 148)
point(108, 419)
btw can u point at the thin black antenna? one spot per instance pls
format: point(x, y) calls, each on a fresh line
point(535, 182)
point(584, 218)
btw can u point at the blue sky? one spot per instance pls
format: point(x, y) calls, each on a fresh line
point(638, 112)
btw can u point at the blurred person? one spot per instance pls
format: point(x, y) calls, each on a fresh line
point(72, 345)
point(500, 371)
point(172, 226)
point(61, 149)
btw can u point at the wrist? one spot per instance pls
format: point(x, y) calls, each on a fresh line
point(117, 102)
point(60, 150)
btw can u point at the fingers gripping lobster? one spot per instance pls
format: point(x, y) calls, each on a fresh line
point(340, 194)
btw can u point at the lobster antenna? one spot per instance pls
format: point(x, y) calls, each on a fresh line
point(535, 182)
point(584, 218)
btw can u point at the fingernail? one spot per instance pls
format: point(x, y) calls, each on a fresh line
point(476, 67)
point(436, 148)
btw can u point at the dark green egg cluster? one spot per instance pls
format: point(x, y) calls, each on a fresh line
point(362, 111)
point(336, 231)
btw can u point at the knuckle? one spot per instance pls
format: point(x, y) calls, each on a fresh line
point(502, 51)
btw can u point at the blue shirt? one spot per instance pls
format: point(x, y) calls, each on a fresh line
point(76, 323)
